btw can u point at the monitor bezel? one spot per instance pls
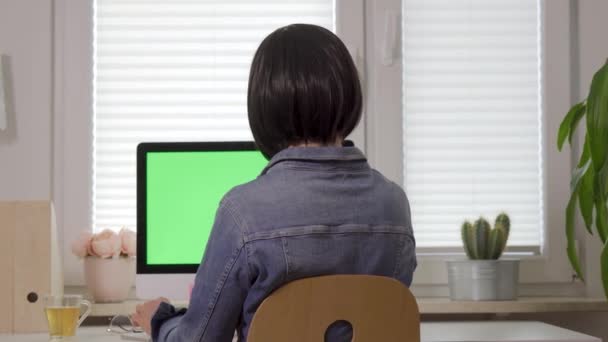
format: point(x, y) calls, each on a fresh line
point(142, 150)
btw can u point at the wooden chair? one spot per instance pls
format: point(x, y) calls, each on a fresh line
point(379, 309)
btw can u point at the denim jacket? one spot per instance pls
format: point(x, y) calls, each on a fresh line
point(313, 211)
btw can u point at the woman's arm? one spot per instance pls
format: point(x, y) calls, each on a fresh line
point(220, 288)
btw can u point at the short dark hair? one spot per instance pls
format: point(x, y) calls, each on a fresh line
point(303, 88)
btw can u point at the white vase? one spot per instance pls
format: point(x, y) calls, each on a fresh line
point(483, 280)
point(109, 280)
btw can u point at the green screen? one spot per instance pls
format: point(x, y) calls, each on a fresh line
point(183, 193)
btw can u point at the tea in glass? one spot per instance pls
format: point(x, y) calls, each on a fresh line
point(63, 315)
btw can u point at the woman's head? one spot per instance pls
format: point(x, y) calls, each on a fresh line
point(303, 89)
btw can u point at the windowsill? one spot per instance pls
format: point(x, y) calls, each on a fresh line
point(427, 305)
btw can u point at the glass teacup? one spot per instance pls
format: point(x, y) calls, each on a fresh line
point(63, 315)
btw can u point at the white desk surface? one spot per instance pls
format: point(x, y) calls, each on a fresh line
point(435, 305)
point(486, 331)
point(499, 331)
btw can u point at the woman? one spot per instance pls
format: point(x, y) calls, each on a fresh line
point(316, 209)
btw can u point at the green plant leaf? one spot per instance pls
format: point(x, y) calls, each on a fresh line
point(585, 190)
point(601, 213)
point(568, 125)
point(577, 175)
point(586, 153)
point(604, 268)
point(570, 236)
point(604, 178)
point(585, 198)
point(597, 118)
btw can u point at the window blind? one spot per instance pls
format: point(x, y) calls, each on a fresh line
point(174, 71)
point(472, 117)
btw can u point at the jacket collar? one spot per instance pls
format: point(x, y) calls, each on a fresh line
point(348, 152)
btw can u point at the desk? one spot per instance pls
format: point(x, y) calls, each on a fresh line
point(494, 331)
point(427, 305)
point(499, 331)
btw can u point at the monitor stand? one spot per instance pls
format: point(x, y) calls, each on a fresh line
point(169, 285)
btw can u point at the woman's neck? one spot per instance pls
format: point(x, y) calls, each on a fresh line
point(337, 143)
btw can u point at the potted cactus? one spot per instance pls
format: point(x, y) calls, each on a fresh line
point(484, 276)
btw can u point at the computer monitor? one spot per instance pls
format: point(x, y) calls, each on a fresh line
point(179, 187)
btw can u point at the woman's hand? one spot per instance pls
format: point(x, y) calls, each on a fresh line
point(144, 312)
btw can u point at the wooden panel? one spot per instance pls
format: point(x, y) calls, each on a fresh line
point(56, 256)
point(32, 265)
point(7, 243)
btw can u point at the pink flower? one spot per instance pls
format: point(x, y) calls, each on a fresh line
point(82, 245)
point(129, 242)
point(90, 248)
point(106, 244)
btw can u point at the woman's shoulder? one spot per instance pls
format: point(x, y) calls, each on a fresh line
point(244, 197)
point(246, 191)
point(389, 187)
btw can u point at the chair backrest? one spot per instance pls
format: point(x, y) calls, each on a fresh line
point(378, 308)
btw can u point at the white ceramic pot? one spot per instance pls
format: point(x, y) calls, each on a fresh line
point(109, 280)
point(481, 280)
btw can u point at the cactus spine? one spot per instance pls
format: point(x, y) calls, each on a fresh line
point(481, 241)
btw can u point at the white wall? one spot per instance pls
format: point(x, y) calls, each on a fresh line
point(591, 55)
point(592, 46)
point(25, 147)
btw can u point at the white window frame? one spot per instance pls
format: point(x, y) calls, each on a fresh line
point(73, 108)
point(384, 135)
point(73, 126)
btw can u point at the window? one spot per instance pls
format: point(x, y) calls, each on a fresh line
point(465, 78)
point(147, 48)
point(472, 117)
point(174, 71)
